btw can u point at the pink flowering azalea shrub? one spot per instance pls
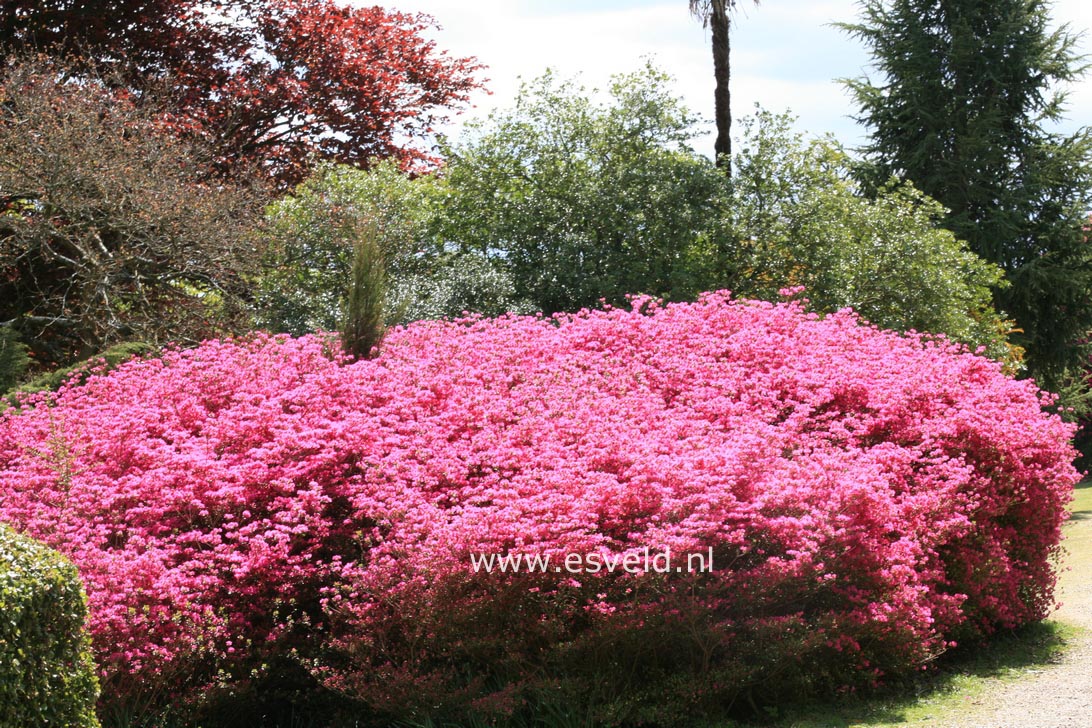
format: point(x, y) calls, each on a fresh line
point(245, 510)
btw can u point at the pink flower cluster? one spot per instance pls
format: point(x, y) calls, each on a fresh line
point(869, 499)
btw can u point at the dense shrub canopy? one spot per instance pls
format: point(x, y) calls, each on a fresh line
point(47, 677)
point(582, 199)
point(794, 216)
point(868, 498)
point(309, 240)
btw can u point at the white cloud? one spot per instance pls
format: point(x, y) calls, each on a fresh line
point(785, 54)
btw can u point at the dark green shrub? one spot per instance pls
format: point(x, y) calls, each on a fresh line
point(78, 372)
point(13, 358)
point(47, 677)
point(363, 327)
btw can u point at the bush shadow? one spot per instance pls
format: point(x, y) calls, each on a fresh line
point(951, 679)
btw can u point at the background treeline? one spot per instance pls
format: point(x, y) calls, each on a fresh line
point(560, 203)
point(131, 212)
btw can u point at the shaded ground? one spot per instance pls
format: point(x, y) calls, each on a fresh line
point(1037, 677)
point(1056, 695)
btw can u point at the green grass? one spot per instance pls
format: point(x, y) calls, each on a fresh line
point(962, 684)
point(1078, 541)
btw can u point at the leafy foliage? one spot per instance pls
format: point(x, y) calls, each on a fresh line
point(271, 83)
point(965, 90)
point(311, 236)
point(795, 216)
point(456, 284)
point(244, 512)
point(110, 229)
point(580, 200)
point(583, 202)
point(47, 677)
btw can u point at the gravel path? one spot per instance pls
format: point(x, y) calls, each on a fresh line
point(1054, 695)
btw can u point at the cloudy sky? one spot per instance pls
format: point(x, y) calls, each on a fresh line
point(785, 54)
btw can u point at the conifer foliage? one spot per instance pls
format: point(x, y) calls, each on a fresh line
point(961, 106)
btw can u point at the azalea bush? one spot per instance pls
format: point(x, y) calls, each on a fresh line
point(265, 512)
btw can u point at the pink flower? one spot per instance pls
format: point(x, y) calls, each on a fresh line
point(866, 495)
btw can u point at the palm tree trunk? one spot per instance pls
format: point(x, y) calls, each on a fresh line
point(718, 19)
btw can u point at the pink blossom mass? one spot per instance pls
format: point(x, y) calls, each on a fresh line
point(869, 499)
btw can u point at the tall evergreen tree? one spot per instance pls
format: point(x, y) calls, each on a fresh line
point(965, 93)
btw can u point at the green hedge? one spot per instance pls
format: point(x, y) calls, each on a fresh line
point(47, 677)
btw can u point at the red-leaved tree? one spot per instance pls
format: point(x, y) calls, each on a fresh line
point(273, 83)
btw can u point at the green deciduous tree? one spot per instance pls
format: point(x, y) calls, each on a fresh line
point(794, 216)
point(964, 93)
point(582, 199)
point(314, 233)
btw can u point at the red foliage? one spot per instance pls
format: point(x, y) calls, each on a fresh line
point(272, 82)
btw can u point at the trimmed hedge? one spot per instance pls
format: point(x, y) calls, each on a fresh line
point(47, 677)
point(80, 371)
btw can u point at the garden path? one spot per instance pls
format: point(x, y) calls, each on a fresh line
point(1057, 695)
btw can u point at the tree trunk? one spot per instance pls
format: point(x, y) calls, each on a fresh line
point(718, 19)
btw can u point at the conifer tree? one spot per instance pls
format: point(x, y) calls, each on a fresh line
point(962, 105)
point(363, 327)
